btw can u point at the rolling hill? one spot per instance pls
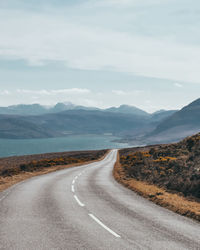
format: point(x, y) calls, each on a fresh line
point(17, 127)
point(182, 123)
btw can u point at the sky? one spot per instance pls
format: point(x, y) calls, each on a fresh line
point(102, 53)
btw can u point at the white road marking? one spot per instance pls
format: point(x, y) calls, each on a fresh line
point(3, 197)
point(76, 178)
point(104, 226)
point(73, 181)
point(73, 188)
point(78, 201)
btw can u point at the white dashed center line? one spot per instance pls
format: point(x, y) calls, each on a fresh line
point(91, 215)
point(78, 201)
point(104, 226)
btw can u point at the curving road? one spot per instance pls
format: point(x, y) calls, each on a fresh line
point(85, 208)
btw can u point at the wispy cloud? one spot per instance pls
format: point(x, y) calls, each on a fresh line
point(178, 85)
point(102, 45)
point(50, 36)
point(78, 96)
point(5, 92)
point(126, 93)
point(124, 3)
point(73, 91)
point(119, 92)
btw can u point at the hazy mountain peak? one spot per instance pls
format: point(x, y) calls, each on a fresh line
point(63, 106)
point(195, 103)
point(127, 109)
point(159, 111)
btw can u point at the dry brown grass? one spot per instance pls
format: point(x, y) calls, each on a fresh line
point(173, 167)
point(8, 181)
point(158, 195)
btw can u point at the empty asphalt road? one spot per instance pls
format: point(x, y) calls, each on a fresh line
point(85, 208)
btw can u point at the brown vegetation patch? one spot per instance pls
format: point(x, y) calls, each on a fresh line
point(168, 175)
point(16, 169)
point(175, 167)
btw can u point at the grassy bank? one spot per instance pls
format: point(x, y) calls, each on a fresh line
point(19, 168)
point(165, 174)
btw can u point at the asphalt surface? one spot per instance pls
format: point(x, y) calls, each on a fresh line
point(85, 208)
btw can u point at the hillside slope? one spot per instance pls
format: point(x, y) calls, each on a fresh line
point(69, 122)
point(179, 125)
point(175, 167)
point(17, 127)
point(89, 122)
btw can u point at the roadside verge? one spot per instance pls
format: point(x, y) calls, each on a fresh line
point(160, 196)
point(10, 179)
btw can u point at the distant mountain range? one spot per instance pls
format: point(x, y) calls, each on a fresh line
point(69, 122)
point(37, 109)
point(128, 122)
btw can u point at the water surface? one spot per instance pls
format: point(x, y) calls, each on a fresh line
point(10, 147)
